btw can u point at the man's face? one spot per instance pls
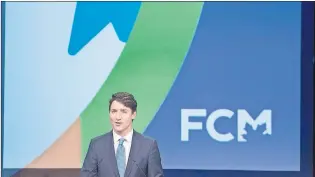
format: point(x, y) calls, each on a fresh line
point(121, 118)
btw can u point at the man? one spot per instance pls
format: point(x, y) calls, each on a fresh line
point(122, 152)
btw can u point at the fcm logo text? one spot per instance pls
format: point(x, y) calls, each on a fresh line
point(243, 118)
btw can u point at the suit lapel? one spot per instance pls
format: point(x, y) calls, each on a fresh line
point(135, 147)
point(112, 159)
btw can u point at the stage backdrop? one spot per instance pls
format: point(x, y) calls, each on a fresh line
point(218, 84)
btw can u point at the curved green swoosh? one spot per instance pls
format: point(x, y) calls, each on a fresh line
point(147, 66)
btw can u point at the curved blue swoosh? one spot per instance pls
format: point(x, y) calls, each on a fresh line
point(236, 61)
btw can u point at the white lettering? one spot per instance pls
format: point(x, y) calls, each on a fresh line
point(243, 118)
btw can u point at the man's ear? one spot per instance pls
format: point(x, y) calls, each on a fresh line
point(134, 114)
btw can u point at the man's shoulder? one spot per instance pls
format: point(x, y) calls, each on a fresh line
point(101, 138)
point(145, 139)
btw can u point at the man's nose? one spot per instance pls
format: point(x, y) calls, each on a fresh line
point(119, 116)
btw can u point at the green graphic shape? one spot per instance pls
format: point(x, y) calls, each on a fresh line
point(147, 66)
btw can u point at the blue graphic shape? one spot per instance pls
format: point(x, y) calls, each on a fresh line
point(244, 55)
point(91, 17)
point(45, 88)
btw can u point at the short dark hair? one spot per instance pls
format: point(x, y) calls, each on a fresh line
point(125, 98)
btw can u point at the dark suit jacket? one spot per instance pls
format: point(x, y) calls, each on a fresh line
point(144, 158)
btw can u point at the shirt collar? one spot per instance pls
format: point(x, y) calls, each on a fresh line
point(128, 137)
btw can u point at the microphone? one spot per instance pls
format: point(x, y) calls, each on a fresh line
point(139, 167)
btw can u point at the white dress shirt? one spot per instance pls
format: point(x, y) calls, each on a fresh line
point(127, 143)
